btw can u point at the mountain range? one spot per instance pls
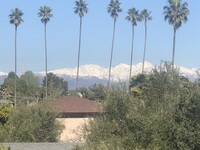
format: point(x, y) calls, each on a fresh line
point(90, 74)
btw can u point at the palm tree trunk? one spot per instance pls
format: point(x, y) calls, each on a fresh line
point(79, 50)
point(15, 101)
point(131, 62)
point(145, 43)
point(45, 38)
point(113, 39)
point(174, 47)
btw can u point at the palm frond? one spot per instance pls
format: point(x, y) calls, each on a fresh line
point(114, 8)
point(133, 16)
point(176, 13)
point(80, 8)
point(16, 16)
point(45, 14)
point(146, 15)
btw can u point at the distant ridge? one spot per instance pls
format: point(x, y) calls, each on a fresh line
point(90, 74)
point(119, 72)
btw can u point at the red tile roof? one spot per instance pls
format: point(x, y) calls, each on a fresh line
point(78, 105)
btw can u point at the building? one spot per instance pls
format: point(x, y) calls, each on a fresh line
point(76, 111)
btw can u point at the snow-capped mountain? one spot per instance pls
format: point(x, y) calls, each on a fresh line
point(3, 73)
point(119, 72)
point(90, 74)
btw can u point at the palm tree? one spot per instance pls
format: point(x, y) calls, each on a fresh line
point(133, 17)
point(16, 19)
point(80, 9)
point(176, 13)
point(145, 15)
point(113, 9)
point(45, 14)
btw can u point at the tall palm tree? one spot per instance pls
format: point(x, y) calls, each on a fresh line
point(176, 13)
point(113, 9)
point(133, 17)
point(81, 9)
point(16, 19)
point(45, 14)
point(145, 15)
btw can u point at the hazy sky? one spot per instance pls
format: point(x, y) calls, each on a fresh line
point(63, 32)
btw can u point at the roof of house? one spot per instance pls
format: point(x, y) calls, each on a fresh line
point(76, 104)
point(40, 146)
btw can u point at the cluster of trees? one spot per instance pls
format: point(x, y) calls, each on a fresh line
point(32, 123)
point(30, 88)
point(163, 115)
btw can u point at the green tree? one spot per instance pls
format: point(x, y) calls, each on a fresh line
point(81, 9)
point(113, 10)
point(36, 123)
point(176, 12)
point(30, 86)
point(45, 14)
point(8, 85)
point(57, 86)
point(15, 18)
point(145, 15)
point(133, 17)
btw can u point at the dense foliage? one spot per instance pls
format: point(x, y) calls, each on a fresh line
point(5, 112)
point(164, 115)
point(30, 88)
point(34, 123)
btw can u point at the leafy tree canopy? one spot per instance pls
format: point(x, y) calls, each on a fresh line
point(36, 123)
point(164, 116)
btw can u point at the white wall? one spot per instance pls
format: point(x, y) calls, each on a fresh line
point(72, 131)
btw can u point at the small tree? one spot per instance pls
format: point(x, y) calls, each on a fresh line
point(35, 123)
point(57, 86)
point(30, 86)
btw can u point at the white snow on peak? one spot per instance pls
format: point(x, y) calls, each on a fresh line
point(3, 73)
point(118, 73)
